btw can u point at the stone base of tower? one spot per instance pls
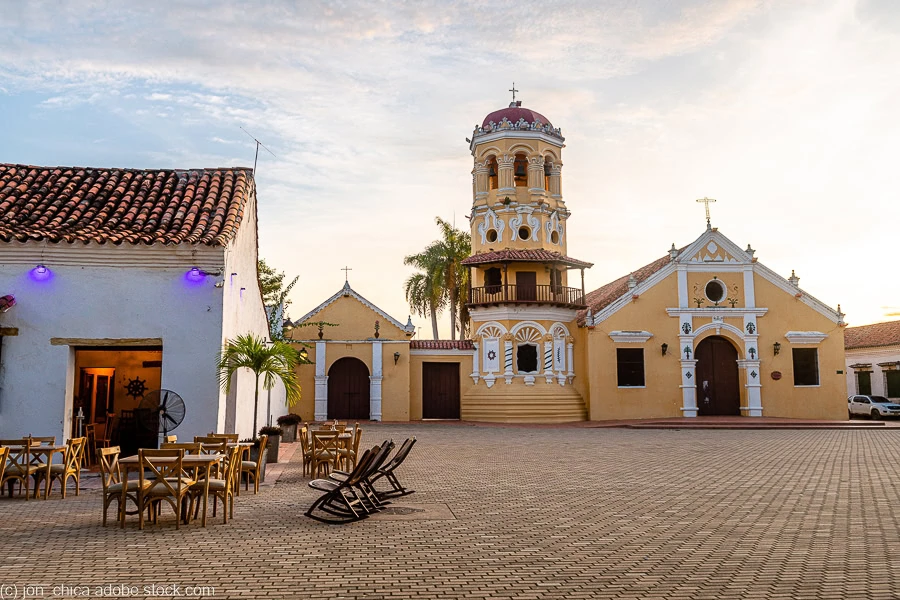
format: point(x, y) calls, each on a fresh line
point(519, 404)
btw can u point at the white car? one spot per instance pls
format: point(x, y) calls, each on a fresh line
point(872, 406)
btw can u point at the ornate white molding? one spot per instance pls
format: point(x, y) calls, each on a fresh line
point(491, 221)
point(518, 313)
point(805, 337)
point(630, 336)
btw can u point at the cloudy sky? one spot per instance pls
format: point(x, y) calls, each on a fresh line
point(785, 111)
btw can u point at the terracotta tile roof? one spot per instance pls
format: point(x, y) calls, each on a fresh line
point(441, 345)
point(869, 336)
point(609, 293)
point(536, 255)
point(136, 206)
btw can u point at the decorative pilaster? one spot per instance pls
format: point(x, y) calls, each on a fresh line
point(320, 410)
point(508, 360)
point(507, 182)
point(375, 382)
point(548, 359)
point(688, 387)
point(570, 358)
point(475, 363)
point(482, 184)
point(536, 174)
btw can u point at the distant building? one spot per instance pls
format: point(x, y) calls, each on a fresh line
point(704, 330)
point(125, 281)
point(873, 359)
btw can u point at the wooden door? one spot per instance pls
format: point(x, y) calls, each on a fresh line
point(348, 389)
point(526, 286)
point(718, 384)
point(440, 390)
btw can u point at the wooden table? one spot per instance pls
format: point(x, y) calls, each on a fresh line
point(48, 451)
point(192, 461)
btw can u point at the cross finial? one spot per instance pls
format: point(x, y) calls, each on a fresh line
point(706, 201)
point(514, 90)
point(346, 274)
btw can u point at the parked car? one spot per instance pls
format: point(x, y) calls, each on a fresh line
point(872, 406)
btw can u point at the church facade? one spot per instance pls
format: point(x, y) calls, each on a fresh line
point(704, 330)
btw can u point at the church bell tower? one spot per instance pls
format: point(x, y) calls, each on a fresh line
point(523, 298)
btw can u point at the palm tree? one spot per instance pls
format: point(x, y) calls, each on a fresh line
point(441, 278)
point(270, 360)
point(424, 298)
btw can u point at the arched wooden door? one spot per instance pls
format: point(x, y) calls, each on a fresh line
point(718, 384)
point(348, 389)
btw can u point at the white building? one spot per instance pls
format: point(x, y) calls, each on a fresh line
point(126, 281)
point(873, 359)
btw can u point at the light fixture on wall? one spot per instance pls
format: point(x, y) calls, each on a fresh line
point(41, 272)
point(396, 357)
point(776, 348)
point(304, 355)
point(665, 348)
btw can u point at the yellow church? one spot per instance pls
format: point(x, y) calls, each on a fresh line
point(704, 330)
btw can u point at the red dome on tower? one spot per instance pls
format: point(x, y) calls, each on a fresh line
point(513, 113)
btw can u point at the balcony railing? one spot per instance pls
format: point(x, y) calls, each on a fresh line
point(526, 294)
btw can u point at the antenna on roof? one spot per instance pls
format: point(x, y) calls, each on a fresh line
point(258, 144)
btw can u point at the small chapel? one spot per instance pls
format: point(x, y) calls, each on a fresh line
point(704, 330)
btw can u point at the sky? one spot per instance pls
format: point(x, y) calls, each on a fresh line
point(786, 112)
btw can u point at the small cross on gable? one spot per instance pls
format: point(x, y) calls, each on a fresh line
point(707, 201)
point(346, 273)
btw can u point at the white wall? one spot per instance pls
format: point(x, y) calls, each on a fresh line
point(871, 356)
point(243, 313)
point(87, 298)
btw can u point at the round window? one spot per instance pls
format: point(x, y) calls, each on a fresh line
point(715, 291)
point(554, 237)
point(492, 235)
point(524, 233)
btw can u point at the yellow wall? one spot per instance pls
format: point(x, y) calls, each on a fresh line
point(781, 398)
point(415, 377)
point(661, 397)
point(734, 284)
point(354, 320)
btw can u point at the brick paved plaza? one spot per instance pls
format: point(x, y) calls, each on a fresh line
point(529, 513)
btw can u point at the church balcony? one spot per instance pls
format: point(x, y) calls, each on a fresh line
point(531, 294)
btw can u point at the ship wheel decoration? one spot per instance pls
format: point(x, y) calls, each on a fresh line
point(136, 387)
point(491, 355)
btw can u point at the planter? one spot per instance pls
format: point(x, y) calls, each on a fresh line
point(290, 433)
point(272, 448)
point(254, 456)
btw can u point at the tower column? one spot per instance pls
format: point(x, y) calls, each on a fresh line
point(536, 174)
point(507, 184)
point(481, 172)
point(556, 180)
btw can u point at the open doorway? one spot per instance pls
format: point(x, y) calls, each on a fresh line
point(110, 384)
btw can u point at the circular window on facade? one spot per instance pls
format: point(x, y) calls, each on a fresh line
point(715, 291)
point(524, 233)
point(554, 237)
point(492, 235)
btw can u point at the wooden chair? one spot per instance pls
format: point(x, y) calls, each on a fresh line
point(325, 446)
point(250, 467)
point(4, 454)
point(349, 451)
point(387, 472)
point(49, 440)
point(94, 442)
point(340, 502)
point(18, 465)
point(231, 437)
point(221, 488)
point(305, 449)
point(188, 447)
point(172, 439)
point(167, 482)
point(71, 465)
point(214, 445)
point(111, 477)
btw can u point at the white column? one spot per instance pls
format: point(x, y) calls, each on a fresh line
point(749, 289)
point(570, 359)
point(548, 361)
point(683, 300)
point(475, 363)
point(688, 386)
point(321, 406)
point(375, 383)
point(507, 361)
point(751, 365)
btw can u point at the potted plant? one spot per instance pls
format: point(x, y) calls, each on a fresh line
point(254, 456)
point(289, 423)
point(274, 434)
